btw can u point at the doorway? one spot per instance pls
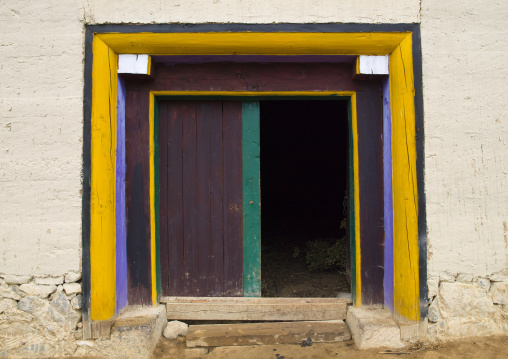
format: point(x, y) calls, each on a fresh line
point(304, 171)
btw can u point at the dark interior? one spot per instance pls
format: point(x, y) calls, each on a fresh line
point(304, 160)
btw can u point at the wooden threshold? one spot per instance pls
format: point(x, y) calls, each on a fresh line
point(254, 309)
point(304, 333)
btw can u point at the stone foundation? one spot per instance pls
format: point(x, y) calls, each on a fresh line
point(40, 316)
point(466, 306)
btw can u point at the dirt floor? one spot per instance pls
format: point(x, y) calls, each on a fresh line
point(285, 273)
point(483, 347)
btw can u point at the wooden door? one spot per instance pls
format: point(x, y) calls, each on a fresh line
point(200, 174)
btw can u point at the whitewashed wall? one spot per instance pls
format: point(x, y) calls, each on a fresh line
point(464, 44)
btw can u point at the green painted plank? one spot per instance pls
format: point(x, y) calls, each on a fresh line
point(351, 195)
point(157, 197)
point(251, 200)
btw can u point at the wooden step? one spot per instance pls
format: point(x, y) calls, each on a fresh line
point(303, 333)
point(250, 309)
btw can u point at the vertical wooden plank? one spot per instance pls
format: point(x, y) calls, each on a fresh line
point(121, 229)
point(174, 196)
point(233, 207)
point(405, 191)
point(251, 199)
point(156, 258)
point(203, 272)
point(216, 200)
point(370, 166)
point(190, 198)
point(154, 209)
point(209, 254)
point(163, 196)
point(388, 197)
point(137, 198)
point(102, 182)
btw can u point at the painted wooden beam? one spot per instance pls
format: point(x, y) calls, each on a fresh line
point(244, 308)
point(153, 233)
point(121, 224)
point(254, 43)
point(356, 199)
point(251, 199)
point(216, 335)
point(388, 197)
point(137, 196)
point(102, 182)
point(134, 64)
point(405, 195)
point(157, 205)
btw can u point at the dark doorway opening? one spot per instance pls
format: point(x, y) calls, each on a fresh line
point(304, 171)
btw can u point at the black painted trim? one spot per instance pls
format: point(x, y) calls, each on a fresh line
point(420, 170)
point(189, 28)
point(183, 28)
point(85, 224)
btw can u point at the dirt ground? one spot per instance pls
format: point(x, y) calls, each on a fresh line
point(482, 347)
point(284, 271)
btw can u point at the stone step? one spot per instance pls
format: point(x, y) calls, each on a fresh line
point(255, 309)
point(270, 333)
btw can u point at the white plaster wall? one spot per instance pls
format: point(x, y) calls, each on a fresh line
point(464, 45)
point(41, 125)
point(252, 11)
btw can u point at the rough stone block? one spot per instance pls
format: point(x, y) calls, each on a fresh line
point(72, 288)
point(466, 310)
point(433, 285)
point(49, 280)
point(373, 328)
point(66, 316)
point(72, 277)
point(15, 289)
point(484, 283)
point(32, 305)
point(174, 329)
point(464, 278)
point(499, 292)
point(460, 299)
point(134, 334)
point(409, 332)
point(501, 276)
point(6, 292)
point(7, 303)
point(16, 279)
point(447, 277)
point(77, 302)
point(433, 315)
point(41, 291)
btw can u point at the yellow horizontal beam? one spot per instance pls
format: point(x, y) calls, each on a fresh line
point(253, 43)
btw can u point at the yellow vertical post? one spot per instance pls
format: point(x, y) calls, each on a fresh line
point(102, 182)
point(405, 195)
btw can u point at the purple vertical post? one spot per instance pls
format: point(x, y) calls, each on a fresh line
point(121, 230)
point(388, 197)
